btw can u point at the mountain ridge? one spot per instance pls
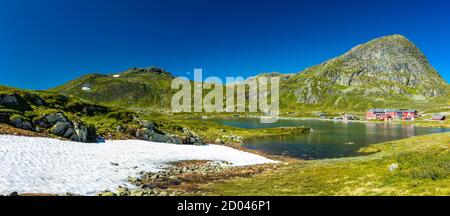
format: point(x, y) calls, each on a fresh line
point(375, 73)
point(378, 73)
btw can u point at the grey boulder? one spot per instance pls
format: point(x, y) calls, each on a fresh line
point(21, 123)
point(76, 131)
point(62, 129)
point(51, 119)
point(13, 101)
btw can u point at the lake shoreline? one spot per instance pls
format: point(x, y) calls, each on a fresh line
point(355, 176)
point(328, 138)
point(421, 123)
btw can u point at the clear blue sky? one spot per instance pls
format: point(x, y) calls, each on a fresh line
point(44, 43)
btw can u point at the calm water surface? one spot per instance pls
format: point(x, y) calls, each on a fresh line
point(329, 139)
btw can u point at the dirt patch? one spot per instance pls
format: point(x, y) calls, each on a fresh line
point(9, 130)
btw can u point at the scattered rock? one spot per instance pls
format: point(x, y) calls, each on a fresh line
point(393, 167)
point(230, 139)
point(160, 183)
point(191, 137)
point(146, 124)
point(120, 128)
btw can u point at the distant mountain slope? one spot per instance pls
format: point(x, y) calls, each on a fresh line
point(387, 71)
point(134, 88)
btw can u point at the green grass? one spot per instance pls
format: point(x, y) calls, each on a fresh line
point(424, 169)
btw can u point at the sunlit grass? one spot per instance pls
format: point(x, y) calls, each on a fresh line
point(423, 169)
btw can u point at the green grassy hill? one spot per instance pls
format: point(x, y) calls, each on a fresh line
point(136, 88)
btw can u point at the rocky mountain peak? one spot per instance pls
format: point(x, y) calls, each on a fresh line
point(382, 69)
point(152, 69)
point(386, 48)
point(391, 60)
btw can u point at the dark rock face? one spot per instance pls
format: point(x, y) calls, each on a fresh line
point(35, 100)
point(51, 119)
point(393, 59)
point(384, 66)
point(22, 123)
point(4, 118)
point(55, 118)
point(13, 101)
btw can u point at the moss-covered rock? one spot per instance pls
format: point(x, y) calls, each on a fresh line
point(14, 101)
point(51, 119)
point(21, 122)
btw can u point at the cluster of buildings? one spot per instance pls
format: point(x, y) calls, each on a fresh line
point(402, 114)
point(384, 114)
point(391, 114)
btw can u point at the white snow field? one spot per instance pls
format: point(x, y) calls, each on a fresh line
point(44, 165)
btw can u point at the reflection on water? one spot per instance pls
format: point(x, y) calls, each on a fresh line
point(329, 139)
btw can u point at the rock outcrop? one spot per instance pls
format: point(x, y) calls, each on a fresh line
point(75, 131)
point(150, 132)
point(382, 69)
point(22, 123)
point(13, 101)
point(51, 119)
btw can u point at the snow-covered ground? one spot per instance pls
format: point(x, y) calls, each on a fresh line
point(44, 165)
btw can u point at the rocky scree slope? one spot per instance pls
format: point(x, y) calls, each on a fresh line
point(378, 73)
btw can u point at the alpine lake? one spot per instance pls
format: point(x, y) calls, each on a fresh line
point(328, 138)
